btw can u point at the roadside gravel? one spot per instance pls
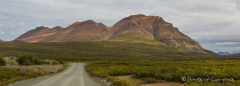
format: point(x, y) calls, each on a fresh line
point(39, 68)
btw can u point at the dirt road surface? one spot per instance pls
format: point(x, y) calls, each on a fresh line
point(74, 75)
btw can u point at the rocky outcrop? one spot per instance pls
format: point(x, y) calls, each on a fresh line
point(134, 27)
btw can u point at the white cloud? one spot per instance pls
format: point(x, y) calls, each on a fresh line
point(227, 43)
point(1, 32)
point(238, 48)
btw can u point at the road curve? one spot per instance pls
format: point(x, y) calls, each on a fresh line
point(73, 75)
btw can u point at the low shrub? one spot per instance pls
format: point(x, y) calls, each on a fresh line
point(2, 62)
point(149, 80)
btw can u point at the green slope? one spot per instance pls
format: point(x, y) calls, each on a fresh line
point(88, 50)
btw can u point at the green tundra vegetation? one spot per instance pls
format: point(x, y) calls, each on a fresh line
point(154, 71)
point(150, 61)
point(94, 50)
point(9, 75)
point(30, 60)
point(2, 61)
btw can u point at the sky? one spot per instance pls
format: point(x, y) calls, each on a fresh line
point(215, 24)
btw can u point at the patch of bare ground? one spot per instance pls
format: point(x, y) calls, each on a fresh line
point(44, 69)
point(11, 61)
point(140, 82)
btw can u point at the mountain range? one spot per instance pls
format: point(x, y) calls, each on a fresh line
point(134, 27)
point(227, 53)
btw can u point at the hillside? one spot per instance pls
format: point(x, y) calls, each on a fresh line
point(91, 50)
point(87, 30)
point(133, 28)
point(155, 28)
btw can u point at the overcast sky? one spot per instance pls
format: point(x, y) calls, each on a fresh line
point(215, 24)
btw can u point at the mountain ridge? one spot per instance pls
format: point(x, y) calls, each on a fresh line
point(227, 53)
point(134, 27)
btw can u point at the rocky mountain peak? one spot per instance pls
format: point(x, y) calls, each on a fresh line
point(57, 27)
point(89, 22)
point(40, 27)
point(77, 23)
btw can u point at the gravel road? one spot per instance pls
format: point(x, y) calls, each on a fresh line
point(74, 75)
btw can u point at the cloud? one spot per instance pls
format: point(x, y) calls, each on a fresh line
point(208, 21)
point(230, 44)
point(1, 32)
point(227, 43)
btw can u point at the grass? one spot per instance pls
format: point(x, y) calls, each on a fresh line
point(153, 71)
point(8, 75)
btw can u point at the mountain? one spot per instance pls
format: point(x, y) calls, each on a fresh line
point(1, 40)
point(134, 27)
point(227, 53)
point(155, 28)
point(87, 30)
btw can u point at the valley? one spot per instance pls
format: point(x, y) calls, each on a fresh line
point(147, 50)
point(148, 61)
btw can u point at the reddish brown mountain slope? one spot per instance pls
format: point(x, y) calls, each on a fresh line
point(88, 30)
point(134, 27)
point(38, 34)
point(154, 27)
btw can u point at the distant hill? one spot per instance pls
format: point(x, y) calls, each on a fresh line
point(1, 40)
point(133, 28)
point(227, 53)
point(238, 54)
